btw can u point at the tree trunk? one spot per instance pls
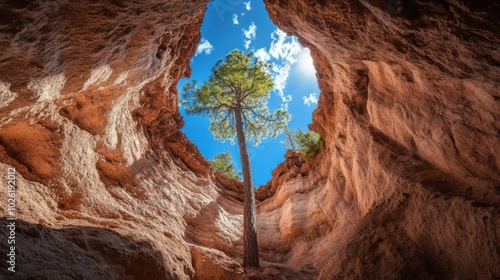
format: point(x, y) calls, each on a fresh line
point(290, 138)
point(250, 248)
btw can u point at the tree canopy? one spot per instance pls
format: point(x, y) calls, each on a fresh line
point(243, 83)
point(307, 144)
point(223, 163)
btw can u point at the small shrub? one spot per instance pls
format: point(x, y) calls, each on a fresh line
point(223, 163)
point(307, 144)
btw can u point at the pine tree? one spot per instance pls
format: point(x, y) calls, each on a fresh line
point(308, 144)
point(235, 100)
point(223, 163)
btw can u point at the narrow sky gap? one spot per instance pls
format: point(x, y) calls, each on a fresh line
point(247, 27)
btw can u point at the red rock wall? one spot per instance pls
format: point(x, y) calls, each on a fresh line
point(409, 110)
point(108, 188)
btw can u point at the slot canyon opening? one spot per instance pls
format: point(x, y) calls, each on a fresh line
point(246, 26)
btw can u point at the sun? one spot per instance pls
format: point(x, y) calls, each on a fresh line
point(305, 62)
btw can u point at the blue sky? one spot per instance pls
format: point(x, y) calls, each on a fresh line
point(245, 25)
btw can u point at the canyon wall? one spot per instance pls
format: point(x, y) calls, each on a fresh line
point(408, 185)
point(409, 109)
point(107, 186)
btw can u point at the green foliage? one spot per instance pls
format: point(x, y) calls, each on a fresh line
point(240, 83)
point(307, 144)
point(223, 163)
point(289, 142)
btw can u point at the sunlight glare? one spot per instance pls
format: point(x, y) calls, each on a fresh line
point(306, 63)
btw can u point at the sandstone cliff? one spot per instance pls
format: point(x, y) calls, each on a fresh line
point(409, 110)
point(108, 188)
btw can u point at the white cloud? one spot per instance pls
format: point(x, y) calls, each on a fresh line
point(280, 78)
point(284, 52)
point(248, 5)
point(284, 47)
point(262, 54)
point(311, 99)
point(235, 19)
point(204, 47)
point(250, 34)
point(247, 44)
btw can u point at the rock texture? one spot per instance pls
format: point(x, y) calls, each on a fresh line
point(409, 109)
point(408, 186)
point(108, 188)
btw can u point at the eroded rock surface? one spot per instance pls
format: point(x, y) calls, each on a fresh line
point(410, 112)
point(107, 185)
point(408, 185)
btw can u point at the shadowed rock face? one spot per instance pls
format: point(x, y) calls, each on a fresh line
point(83, 253)
point(408, 185)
